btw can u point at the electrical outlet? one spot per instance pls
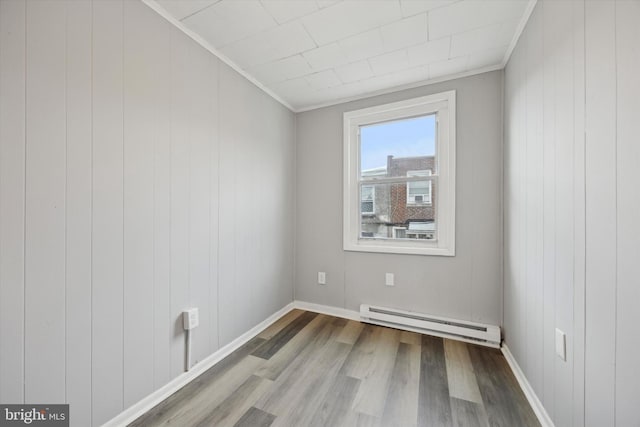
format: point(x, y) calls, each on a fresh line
point(561, 344)
point(322, 278)
point(190, 318)
point(389, 279)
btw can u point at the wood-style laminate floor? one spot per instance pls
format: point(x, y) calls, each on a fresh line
point(311, 369)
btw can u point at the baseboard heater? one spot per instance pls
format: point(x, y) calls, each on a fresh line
point(477, 333)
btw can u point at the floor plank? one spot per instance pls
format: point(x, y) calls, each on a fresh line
point(240, 401)
point(279, 324)
point(409, 337)
point(336, 407)
point(460, 374)
point(351, 332)
point(375, 371)
point(281, 338)
point(468, 414)
point(435, 405)
point(255, 417)
point(503, 399)
point(401, 406)
point(305, 338)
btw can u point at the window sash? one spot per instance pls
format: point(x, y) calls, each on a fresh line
point(444, 106)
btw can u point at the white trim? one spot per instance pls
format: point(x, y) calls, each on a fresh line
point(400, 88)
point(141, 407)
point(530, 394)
point(205, 44)
point(327, 309)
point(444, 105)
point(516, 36)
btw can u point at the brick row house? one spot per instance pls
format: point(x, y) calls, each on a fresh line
point(400, 210)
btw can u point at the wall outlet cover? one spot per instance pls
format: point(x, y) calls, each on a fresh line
point(389, 279)
point(322, 278)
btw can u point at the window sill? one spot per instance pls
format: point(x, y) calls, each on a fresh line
point(420, 248)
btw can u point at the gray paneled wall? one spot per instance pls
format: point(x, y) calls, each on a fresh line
point(467, 286)
point(129, 164)
point(571, 208)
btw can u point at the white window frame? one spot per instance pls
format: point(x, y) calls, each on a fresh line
point(373, 201)
point(444, 106)
point(417, 173)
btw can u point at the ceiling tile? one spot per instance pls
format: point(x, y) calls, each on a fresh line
point(363, 45)
point(277, 43)
point(286, 10)
point(291, 88)
point(468, 15)
point(326, 3)
point(355, 71)
point(281, 70)
point(426, 53)
point(180, 9)
point(413, 7)
point(404, 33)
point(229, 21)
point(404, 77)
point(451, 66)
point(482, 38)
point(323, 79)
point(347, 18)
point(389, 62)
point(327, 56)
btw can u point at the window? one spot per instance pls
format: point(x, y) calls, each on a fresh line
point(399, 177)
point(367, 200)
point(419, 192)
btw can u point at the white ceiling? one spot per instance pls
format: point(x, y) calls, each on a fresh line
point(317, 52)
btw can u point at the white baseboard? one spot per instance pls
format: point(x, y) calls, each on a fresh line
point(136, 410)
point(531, 396)
point(326, 309)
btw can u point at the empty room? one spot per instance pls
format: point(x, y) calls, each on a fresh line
point(330, 213)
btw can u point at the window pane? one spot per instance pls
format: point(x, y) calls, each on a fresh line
point(392, 217)
point(392, 148)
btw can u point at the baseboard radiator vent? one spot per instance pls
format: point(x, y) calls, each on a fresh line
point(477, 333)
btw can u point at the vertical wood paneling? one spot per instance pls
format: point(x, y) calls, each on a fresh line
point(199, 192)
point(214, 199)
point(600, 223)
point(579, 209)
point(139, 227)
point(107, 244)
point(535, 196)
point(564, 101)
point(78, 211)
point(179, 197)
point(628, 211)
point(160, 80)
point(229, 132)
point(550, 34)
point(45, 203)
point(12, 173)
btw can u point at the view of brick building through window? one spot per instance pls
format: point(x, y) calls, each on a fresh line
point(400, 210)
